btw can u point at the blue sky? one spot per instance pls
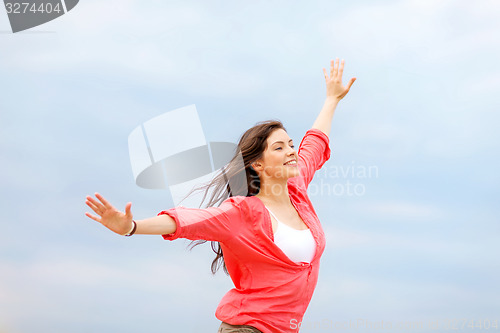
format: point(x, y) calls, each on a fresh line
point(419, 245)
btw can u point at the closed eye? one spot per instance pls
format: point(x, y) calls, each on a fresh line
point(280, 147)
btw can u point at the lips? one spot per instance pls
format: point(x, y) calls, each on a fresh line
point(291, 162)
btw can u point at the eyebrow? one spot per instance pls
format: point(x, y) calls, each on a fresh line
point(281, 141)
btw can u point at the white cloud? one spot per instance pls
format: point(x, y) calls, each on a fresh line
point(178, 46)
point(404, 210)
point(52, 288)
point(392, 298)
point(344, 239)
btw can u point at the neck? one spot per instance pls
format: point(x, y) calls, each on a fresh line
point(275, 192)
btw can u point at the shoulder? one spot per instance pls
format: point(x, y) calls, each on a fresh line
point(242, 200)
point(235, 200)
point(247, 205)
point(244, 212)
point(317, 134)
point(314, 140)
point(238, 201)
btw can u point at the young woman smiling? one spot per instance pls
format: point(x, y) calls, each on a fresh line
point(265, 231)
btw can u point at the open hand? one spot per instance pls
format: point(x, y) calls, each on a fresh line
point(334, 87)
point(109, 216)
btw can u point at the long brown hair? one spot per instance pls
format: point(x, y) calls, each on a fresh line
point(251, 147)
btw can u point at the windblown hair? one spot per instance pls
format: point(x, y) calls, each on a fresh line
point(251, 147)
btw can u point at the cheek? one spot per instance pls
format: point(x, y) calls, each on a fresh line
point(274, 168)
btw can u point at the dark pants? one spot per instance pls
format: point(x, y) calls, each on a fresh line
point(227, 328)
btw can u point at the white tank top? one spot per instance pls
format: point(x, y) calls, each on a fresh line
point(298, 245)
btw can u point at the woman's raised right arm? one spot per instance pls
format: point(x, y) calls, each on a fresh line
point(121, 223)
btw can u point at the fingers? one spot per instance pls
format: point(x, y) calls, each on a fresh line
point(95, 218)
point(93, 207)
point(335, 67)
point(104, 201)
point(341, 68)
point(96, 203)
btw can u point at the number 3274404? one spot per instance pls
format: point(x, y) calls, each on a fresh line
point(26, 8)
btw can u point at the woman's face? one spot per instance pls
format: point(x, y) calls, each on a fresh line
point(280, 151)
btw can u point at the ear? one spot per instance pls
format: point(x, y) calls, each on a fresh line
point(256, 165)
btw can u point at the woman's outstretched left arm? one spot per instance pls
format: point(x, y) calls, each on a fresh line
point(335, 91)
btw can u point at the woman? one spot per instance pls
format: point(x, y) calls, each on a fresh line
point(266, 233)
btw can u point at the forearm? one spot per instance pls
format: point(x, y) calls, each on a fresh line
point(158, 225)
point(324, 120)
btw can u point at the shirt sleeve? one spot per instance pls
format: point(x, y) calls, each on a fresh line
point(211, 224)
point(314, 151)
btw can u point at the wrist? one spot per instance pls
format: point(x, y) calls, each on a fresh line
point(132, 230)
point(332, 99)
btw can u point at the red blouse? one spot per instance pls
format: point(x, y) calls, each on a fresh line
point(271, 292)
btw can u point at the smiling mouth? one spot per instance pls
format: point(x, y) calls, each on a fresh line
point(293, 163)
